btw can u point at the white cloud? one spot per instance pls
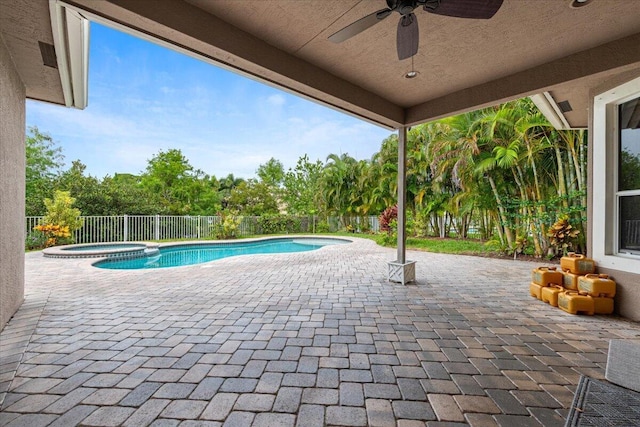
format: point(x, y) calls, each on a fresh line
point(223, 123)
point(276, 100)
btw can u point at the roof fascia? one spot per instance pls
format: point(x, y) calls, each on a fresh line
point(548, 107)
point(71, 41)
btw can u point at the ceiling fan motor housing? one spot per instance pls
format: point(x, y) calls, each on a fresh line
point(407, 38)
point(403, 7)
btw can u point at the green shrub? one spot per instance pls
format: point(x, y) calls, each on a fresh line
point(279, 224)
point(35, 240)
point(228, 226)
point(365, 227)
point(390, 238)
point(420, 224)
point(322, 227)
point(60, 211)
point(496, 245)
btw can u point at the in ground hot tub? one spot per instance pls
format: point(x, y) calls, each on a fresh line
point(103, 250)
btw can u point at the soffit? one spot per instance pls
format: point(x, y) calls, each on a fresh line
point(23, 23)
point(463, 64)
point(579, 100)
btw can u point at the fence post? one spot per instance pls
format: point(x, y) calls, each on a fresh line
point(157, 228)
point(126, 228)
point(199, 226)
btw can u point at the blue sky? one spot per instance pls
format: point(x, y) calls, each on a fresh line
point(144, 98)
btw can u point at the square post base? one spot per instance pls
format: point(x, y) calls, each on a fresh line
point(402, 273)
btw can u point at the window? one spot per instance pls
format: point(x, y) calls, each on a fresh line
point(614, 223)
point(628, 194)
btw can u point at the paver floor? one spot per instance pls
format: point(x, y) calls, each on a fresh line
point(316, 338)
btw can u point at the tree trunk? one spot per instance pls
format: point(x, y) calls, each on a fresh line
point(503, 217)
point(562, 183)
point(527, 211)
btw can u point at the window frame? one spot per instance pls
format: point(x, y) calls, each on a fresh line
point(605, 223)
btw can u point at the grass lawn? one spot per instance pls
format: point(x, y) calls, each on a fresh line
point(433, 244)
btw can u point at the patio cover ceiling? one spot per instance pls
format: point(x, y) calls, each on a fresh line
point(528, 47)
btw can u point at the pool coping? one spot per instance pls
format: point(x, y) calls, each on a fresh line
point(249, 240)
point(140, 249)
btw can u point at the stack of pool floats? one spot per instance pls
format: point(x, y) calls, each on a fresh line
point(575, 289)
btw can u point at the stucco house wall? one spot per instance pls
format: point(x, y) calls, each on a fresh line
point(12, 186)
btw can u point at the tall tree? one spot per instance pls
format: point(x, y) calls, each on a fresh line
point(225, 186)
point(252, 198)
point(170, 176)
point(301, 187)
point(87, 191)
point(44, 161)
point(338, 185)
point(271, 173)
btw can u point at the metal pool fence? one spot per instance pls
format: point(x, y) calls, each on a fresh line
point(123, 228)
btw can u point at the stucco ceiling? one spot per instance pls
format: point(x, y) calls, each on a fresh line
point(526, 48)
point(454, 53)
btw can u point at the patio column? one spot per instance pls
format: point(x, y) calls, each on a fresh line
point(401, 270)
point(402, 194)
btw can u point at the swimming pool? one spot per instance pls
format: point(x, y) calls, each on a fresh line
point(177, 255)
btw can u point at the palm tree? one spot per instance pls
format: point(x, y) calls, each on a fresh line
point(338, 184)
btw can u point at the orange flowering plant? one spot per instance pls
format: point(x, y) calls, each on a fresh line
point(58, 225)
point(53, 233)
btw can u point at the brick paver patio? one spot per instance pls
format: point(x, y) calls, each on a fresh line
point(308, 339)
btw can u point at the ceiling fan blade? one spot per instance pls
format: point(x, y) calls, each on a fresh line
point(474, 9)
point(408, 37)
point(359, 26)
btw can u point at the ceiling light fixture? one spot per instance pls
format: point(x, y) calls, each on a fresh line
point(579, 3)
point(411, 74)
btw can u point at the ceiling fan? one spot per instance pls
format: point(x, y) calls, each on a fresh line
point(407, 38)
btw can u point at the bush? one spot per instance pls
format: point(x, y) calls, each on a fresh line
point(279, 224)
point(60, 212)
point(387, 217)
point(365, 227)
point(390, 238)
point(58, 225)
point(35, 240)
point(420, 225)
point(562, 234)
point(494, 244)
point(54, 234)
point(228, 226)
point(322, 227)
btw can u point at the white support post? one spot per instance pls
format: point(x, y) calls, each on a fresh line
point(402, 193)
point(401, 270)
point(157, 228)
point(126, 228)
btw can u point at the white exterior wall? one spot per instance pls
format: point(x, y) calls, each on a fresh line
point(623, 268)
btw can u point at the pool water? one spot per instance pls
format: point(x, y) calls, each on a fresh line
point(176, 256)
